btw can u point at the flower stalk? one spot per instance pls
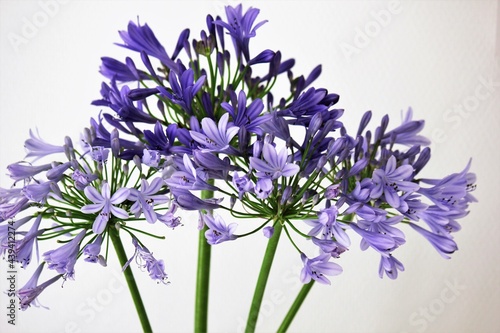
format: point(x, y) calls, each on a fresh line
point(202, 277)
point(260, 288)
point(297, 303)
point(129, 277)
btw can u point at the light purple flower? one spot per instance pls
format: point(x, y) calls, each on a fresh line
point(93, 251)
point(63, 259)
point(218, 231)
point(99, 154)
point(268, 231)
point(275, 164)
point(24, 247)
point(188, 177)
point(390, 181)
point(104, 203)
point(145, 259)
point(30, 291)
point(243, 184)
point(82, 179)
point(328, 225)
point(379, 242)
point(22, 170)
point(390, 266)
point(151, 158)
point(263, 188)
point(216, 137)
point(444, 245)
point(146, 198)
point(316, 269)
point(169, 219)
point(36, 147)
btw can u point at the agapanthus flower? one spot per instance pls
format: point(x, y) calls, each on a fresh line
point(444, 245)
point(246, 116)
point(146, 198)
point(216, 137)
point(38, 148)
point(105, 204)
point(145, 259)
point(93, 250)
point(30, 291)
point(316, 269)
point(169, 219)
point(63, 259)
point(183, 89)
point(22, 170)
point(24, 247)
point(390, 266)
point(275, 164)
point(390, 180)
point(218, 231)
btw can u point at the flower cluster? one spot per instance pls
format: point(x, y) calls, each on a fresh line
point(200, 129)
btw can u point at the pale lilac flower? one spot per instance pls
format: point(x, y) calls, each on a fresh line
point(444, 245)
point(390, 266)
point(40, 192)
point(145, 259)
point(63, 259)
point(36, 147)
point(151, 158)
point(188, 177)
point(82, 179)
point(30, 291)
point(268, 231)
point(216, 137)
point(146, 198)
point(22, 170)
point(243, 184)
point(274, 165)
point(379, 242)
point(99, 154)
point(24, 247)
point(93, 251)
point(316, 269)
point(328, 225)
point(218, 231)
point(169, 219)
point(263, 188)
point(104, 203)
point(10, 209)
point(390, 181)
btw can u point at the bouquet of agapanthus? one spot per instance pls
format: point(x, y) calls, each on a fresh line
point(203, 129)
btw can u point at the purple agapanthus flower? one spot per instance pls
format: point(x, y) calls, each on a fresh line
point(145, 259)
point(328, 225)
point(22, 170)
point(83, 178)
point(104, 203)
point(443, 244)
point(146, 198)
point(274, 165)
point(216, 137)
point(93, 250)
point(141, 38)
point(30, 291)
point(183, 89)
point(24, 247)
point(188, 201)
point(188, 177)
point(316, 269)
point(63, 259)
point(381, 243)
point(243, 184)
point(390, 180)
point(169, 219)
point(263, 188)
point(218, 231)
point(244, 116)
point(240, 28)
point(37, 148)
point(122, 72)
point(40, 192)
point(390, 266)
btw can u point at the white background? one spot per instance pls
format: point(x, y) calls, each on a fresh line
point(440, 57)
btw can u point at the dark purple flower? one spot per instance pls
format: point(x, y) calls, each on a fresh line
point(183, 89)
point(116, 70)
point(30, 291)
point(104, 203)
point(142, 39)
point(218, 231)
point(240, 28)
point(63, 259)
point(244, 116)
point(316, 269)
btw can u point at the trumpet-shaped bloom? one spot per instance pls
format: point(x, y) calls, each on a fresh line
point(316, 269)
point(218, 231)
point(104, 203)
point(30, 291)
point(144, 258)
point(216, 137)
point(63, 259)
point(274, 164)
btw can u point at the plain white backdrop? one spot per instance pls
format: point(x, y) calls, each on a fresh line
point(440, 57)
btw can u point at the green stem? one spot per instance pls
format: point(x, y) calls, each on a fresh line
point(202, 277)
point(295, 307)
point(262, 279)
point(129, 276)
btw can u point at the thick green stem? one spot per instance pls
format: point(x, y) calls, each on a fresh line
point(262, 279)
point(202, 278)
point(129, 276)
point(295, 307)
